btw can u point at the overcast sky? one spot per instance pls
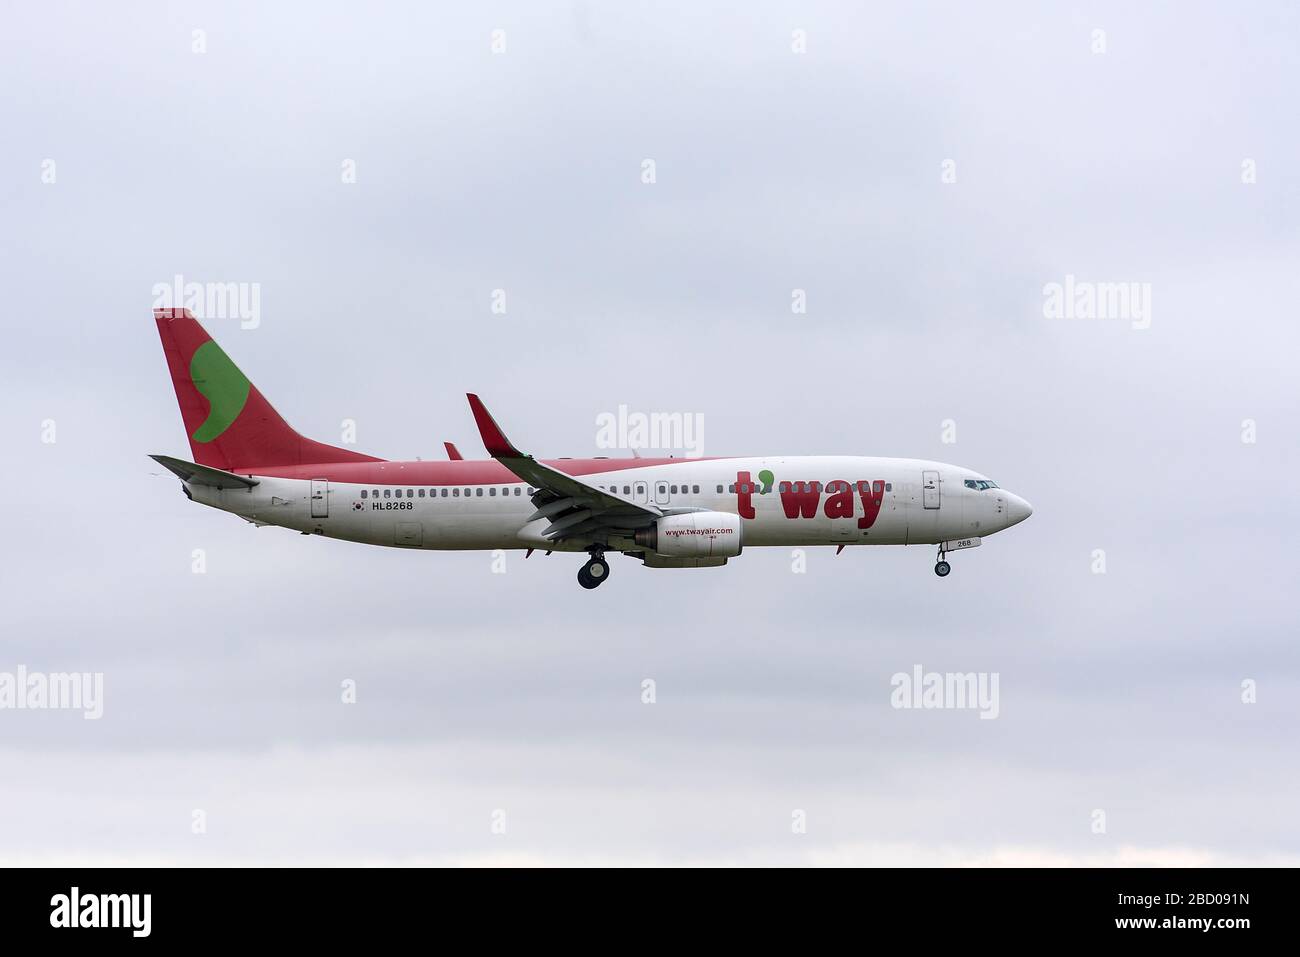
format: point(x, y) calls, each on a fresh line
point(1162, 151)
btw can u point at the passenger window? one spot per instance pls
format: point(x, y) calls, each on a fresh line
point(387, 492)
point(784, 487)
point(628, 491)
point(673, 490)
point(478, 492)
point(492, 491)
point(732, 488)
point(695, 490)
point(455, 493)
point(363, 493)
point(374, 493)
point(889, 486)
point(719, 489)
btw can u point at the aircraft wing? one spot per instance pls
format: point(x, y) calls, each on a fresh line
point(574, 508)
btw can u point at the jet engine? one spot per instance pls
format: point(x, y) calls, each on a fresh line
point(694, 535)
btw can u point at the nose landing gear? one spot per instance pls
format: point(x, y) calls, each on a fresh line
point(941, 567)
point(594, 572)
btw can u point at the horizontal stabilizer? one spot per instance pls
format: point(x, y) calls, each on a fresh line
point(202, 474)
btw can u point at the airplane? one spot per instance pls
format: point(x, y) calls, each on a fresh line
point(666, 512)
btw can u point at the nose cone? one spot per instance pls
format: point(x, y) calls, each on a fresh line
point(1017, 509)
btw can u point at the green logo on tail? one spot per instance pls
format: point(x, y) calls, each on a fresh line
point(222, 384)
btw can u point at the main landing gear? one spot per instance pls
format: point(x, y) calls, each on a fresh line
point(941, 567)
point(594, 572)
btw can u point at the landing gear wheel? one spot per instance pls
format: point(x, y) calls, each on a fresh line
point(942, 569)
point(593, 573)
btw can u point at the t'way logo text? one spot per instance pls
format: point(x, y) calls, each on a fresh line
point(802, 499)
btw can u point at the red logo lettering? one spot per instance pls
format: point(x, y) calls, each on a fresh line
point(799, 498)
point(743, 490)
point(870, 502)
point(840, 503)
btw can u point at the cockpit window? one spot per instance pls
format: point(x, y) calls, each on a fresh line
point(980, 484)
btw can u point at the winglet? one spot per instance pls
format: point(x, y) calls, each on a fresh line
point(453, 453)
point(494, 440)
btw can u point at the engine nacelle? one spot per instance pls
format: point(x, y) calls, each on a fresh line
point(694, 535)
point(655, 560)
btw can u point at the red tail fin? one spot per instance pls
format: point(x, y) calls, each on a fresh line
point(229, 424)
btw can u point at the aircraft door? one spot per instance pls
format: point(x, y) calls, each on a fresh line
point(661, 493)
point(930, 489)
point(845, 529)
point(320, 498)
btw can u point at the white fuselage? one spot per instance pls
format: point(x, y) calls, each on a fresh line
point(783, 501)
